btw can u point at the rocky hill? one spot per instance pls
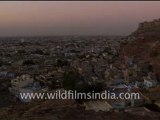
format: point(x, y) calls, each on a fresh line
point(149, 28)
point(146, 44)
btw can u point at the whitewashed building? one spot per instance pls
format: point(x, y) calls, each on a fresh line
point(148, 83)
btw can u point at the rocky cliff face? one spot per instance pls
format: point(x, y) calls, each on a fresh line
point(146, 44)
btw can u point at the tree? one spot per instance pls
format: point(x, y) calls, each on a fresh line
point(28, 62)
point(39, 51)
point(70, 79)
point(62, 62)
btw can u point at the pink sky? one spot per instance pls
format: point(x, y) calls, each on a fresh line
point(67, 18)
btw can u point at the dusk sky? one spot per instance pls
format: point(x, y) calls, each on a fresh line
point(74, 18)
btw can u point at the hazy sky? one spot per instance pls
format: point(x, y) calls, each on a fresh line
point(67, 18)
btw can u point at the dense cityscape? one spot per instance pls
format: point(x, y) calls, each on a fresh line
point(82, 63)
